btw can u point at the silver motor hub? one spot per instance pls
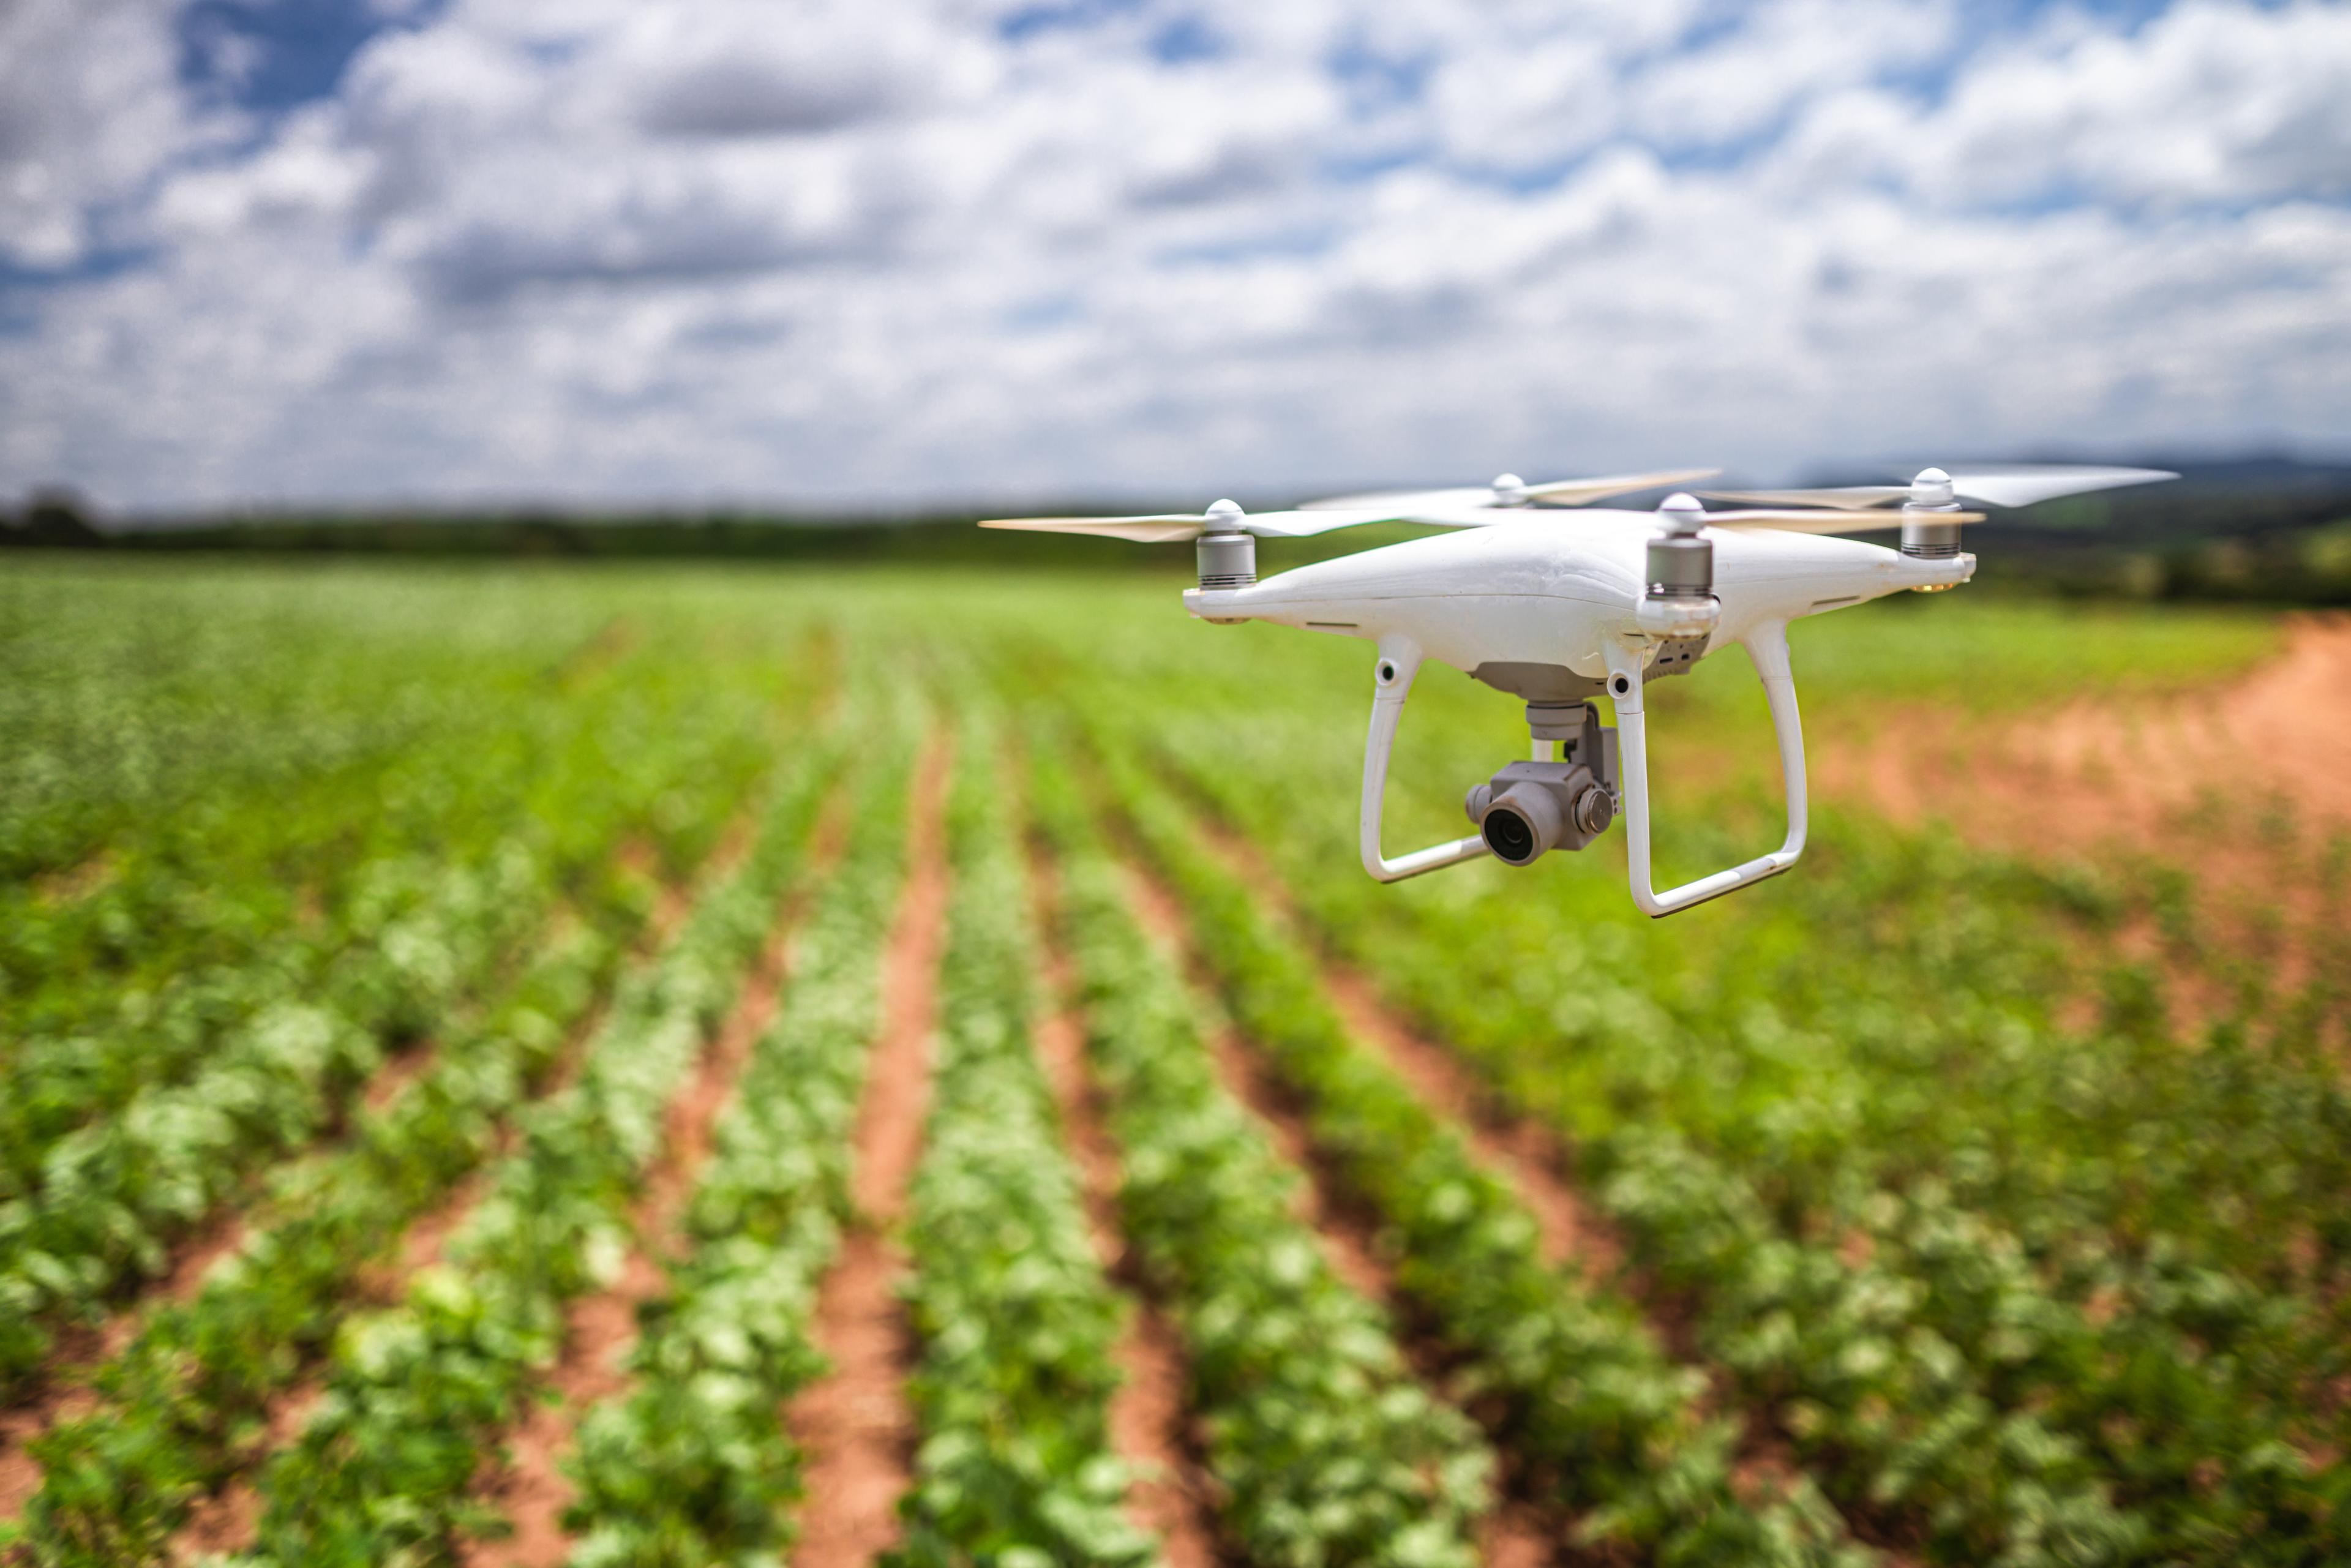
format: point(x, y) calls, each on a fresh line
point(1227, 551)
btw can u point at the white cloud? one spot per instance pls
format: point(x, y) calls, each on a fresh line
point(2210, 103)
point(88, 111)
point(612, 251)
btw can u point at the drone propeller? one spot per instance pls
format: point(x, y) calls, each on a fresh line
point(1817, 520)
point(1682, 514)
point(2018, 485)
point(1507, 491)
point(1224, 517)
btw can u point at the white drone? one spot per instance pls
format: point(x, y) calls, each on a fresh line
point(1557, 606)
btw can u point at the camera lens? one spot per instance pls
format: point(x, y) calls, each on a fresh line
point(1508, 835)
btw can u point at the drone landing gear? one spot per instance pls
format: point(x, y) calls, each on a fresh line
point(1767, 646)
point(1391, 684)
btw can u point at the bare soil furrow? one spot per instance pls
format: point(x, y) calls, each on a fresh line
point(601, 1329)
point(65, 1393)
point(531, 1485)
point(854, 1423)
point(1522, 1533)
point(401, 1067)
point(1535, 1160)
point(226, 1521)
point(1539, 1167)
point(1531, 1157)
point(1149, 1423)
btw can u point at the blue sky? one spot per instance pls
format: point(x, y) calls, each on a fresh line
point(685, 252)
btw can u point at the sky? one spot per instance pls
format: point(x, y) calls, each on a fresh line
point(902, 253)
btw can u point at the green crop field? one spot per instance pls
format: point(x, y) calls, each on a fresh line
point(617, 1065)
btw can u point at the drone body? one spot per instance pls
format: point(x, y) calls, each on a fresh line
point(1558, 607)
point(1554, 592)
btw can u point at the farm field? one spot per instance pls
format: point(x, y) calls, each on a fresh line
point(538, 1065)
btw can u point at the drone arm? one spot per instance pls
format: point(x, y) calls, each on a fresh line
point(1766, 645)
point(1391, 682)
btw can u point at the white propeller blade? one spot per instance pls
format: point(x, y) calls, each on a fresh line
point(1299, 524)
point(2018, 485)
point(1160, 528)
point(1401, 501)
point(1582, 492)
point(1822, 520)
point(1169, 528)
point(1854, 498)
point(2023, 484)
point(1506, 494)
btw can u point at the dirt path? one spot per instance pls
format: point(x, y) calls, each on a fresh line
point(2092, 773)
point(1516, 1534)
point(2239, 786)
point(854, 1423)
point(1148, 1421)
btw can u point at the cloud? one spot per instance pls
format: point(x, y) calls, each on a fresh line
point(88, 111)
point(2208, 103)
point(613, 251)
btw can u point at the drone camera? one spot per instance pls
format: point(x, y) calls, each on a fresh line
point(1529, 808)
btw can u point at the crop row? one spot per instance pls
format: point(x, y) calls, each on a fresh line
point(690, 1465)
point(416, 1395)
point(1923, 1448)
point(2076, 1403)
point(1325, 1446)
point(114, 1194)
point(110, 1197)
point(1017, 1321)
point(1587, 1395)
point(1984, 1389)
point(133, 971)
point(180, 1406)
point(133, 694)
point(96, 1032)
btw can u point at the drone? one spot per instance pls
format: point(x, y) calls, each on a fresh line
point(1555, 601)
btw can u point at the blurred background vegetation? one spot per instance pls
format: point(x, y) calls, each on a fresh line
point(2261, 531)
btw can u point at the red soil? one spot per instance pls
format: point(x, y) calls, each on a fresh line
point(2095, 772)
point(400, 1069)
point(1531, 1156)
point(2234, 785)
point(1147, 1417)
point(226, 1521)
point(854, 1423)
point(64, 1393)
point(601, 1328)
point(1514, 1534)
point(598, 1330)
